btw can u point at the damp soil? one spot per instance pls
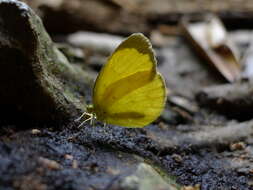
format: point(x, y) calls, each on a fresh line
point(104, 156)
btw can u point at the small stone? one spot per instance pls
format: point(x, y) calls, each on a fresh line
point(71, 139)
point(177, 157)
point(196, 187)
point(36, 131)
point(112, 171)
point(50, 164)
point(146, 178)
point(74, 164)
point(237, 146)
point(68, 157)
point(162, 125)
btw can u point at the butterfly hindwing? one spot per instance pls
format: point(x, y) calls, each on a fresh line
point(140, 107)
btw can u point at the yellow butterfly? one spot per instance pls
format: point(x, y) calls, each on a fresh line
point(128, 90)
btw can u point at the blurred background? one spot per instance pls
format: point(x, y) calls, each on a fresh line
point(127, 16)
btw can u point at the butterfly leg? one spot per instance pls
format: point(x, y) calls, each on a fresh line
point(84, 113)
point(84, 122)
point(92, 123)
point(105, 127)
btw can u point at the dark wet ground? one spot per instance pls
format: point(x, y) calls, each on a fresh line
point(100, 158)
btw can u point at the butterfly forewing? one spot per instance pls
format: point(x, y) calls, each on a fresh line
point(133, 55)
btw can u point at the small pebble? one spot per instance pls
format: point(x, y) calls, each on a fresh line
point(196, 187)
point(112, 171)
point(177, 157)
point(163, 126)
point(71, 139)
point(74, 164)
point(50, 164)
point(68, 157)
point(237, 146)
point(36, 131)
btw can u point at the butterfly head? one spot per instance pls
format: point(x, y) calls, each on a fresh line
point(97, 112)
point(90, 108)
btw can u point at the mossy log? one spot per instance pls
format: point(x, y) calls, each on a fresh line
point(36, 80)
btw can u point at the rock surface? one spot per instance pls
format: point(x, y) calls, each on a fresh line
point(35, 78)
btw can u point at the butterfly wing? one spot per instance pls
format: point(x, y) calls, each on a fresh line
point(139, 107)
point(128, 90)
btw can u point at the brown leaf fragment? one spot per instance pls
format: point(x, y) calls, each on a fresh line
point(209, 36)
